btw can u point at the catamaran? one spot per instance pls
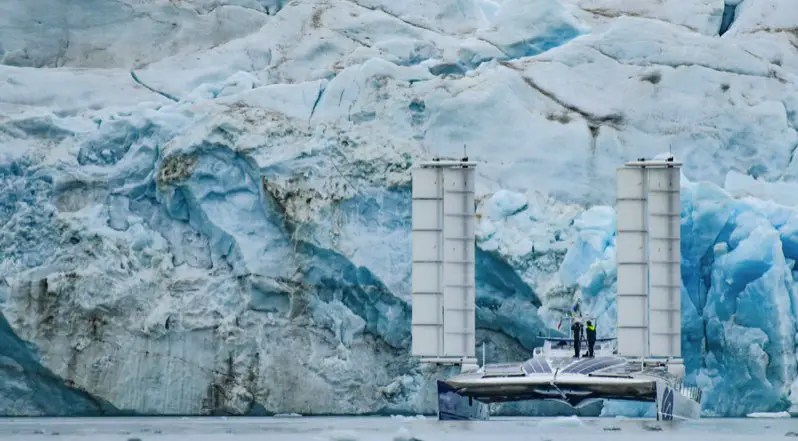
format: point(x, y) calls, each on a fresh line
point(642, 363)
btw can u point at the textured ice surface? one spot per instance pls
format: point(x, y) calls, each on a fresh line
point(30, 389)
point(702, 16)
point(101, 33)
point(209, 212)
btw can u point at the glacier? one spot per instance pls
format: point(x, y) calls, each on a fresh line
point(206, 203)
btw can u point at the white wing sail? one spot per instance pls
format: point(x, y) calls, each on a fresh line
point(632, 260)
point(443, 297)
point(665, 328)
point(648, 259)
point(427, 267)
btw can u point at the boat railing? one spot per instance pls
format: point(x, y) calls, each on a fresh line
point(689, 391)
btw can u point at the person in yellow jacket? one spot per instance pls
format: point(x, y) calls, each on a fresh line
point(590, 330)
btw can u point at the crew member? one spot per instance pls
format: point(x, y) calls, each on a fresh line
point(591, 338)
point(577, 329)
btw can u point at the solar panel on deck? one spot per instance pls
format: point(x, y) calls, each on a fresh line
point(603, 364)
point(589, 365)
point(503, 370)
point(537, 366)
point(579, 365)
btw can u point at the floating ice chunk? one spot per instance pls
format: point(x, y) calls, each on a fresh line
point(569, 421)
point(628, 409)
point(769, 415)
point(409, 418)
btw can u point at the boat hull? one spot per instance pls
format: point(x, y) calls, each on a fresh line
point(467, 396)
point(455, 406)
point(572, 389)
point(672, 405)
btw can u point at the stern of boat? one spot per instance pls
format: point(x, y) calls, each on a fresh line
point(677, 402)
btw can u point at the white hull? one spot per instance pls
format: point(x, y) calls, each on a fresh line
point(573, 381)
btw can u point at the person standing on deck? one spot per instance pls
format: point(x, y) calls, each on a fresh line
point(577, 330)
point(590, 330)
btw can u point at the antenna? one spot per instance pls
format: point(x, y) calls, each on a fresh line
point(465, 154)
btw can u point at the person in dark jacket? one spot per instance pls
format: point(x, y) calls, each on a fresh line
point(591, 338)
point(577, 329)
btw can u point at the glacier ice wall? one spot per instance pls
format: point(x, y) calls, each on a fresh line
point(743, 301)
point(209, 212)
point(28, 388)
